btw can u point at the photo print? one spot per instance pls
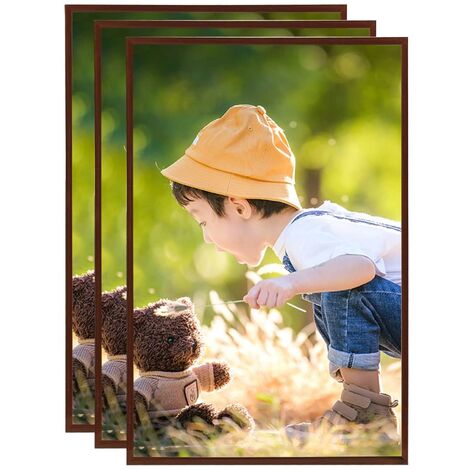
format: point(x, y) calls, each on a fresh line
point(296, 354)
point(110, 155)
point(83, 243)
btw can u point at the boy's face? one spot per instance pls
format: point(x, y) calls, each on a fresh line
point(235, 233)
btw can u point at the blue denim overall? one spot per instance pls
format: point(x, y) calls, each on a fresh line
point(358, 323)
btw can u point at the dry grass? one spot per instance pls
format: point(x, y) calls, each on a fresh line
point(277, 374)
point(281, 377)
point(267, 443)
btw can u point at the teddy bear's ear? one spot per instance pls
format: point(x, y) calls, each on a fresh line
point(114, 302)
point(186, 301)
point(83, 285)
point(139, 317)
point(83, 296)
point(173, 307)
point(159, 307)
point(122, 291)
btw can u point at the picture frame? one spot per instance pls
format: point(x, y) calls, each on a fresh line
point(266, 27)
point(399, 42)
point(73, 51)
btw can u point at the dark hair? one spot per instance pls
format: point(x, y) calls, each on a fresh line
point(185, 194)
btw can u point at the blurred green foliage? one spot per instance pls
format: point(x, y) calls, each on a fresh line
point(339, 107)
point(83, 128)
point(114, 122)
point(114, 158)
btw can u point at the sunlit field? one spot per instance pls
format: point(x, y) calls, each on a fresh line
point(281, 377)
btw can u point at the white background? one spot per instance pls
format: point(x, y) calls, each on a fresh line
point(32, 258)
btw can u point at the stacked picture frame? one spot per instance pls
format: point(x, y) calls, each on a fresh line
point(141, 82)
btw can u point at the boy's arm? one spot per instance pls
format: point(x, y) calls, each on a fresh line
point(340, 273)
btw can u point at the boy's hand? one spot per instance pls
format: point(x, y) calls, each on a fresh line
point(273, 292)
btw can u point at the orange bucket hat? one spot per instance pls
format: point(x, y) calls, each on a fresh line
point(244, 154)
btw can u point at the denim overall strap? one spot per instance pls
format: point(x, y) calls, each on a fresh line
point(317, 212)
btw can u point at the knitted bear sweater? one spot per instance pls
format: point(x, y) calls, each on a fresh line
point(167, 393)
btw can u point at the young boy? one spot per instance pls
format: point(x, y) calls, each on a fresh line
point(237, 181)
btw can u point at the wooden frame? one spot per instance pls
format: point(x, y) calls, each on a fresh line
point(161, 25)
point(340, 10)
point(398, 41)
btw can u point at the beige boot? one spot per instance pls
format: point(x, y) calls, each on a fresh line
point(357, 405)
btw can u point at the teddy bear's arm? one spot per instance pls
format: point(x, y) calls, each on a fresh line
point(140, 406)
point(76, 366)
point(213, 375)
point(108, 386)
point(79, 372)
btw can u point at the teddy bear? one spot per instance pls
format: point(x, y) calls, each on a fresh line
point(83, 326)
point(114, 343)
point(167, 343)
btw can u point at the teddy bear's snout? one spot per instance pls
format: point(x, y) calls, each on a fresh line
point(190, 344)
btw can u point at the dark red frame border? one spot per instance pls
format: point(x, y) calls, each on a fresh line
point(399, 41)
point(108, 24)
point(69, 11)
point(342, 9)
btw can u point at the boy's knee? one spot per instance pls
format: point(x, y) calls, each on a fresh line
point(337, 306)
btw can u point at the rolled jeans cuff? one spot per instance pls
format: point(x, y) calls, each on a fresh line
point(341, 359)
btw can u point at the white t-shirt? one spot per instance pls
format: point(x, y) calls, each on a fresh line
point(314, 239)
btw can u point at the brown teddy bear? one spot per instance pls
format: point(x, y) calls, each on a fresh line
point(114, 342)
point(83, 325)
point(167, 344)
